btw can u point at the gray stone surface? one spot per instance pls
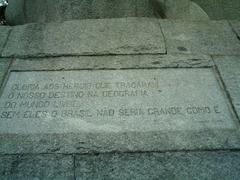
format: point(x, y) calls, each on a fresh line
point(113, 62)
point(197, 13)
point(172, 9)
point(122, 142)
point(34, 103)
point(220, 9)
point(236, 27)
point(4, 65)
point(174, 166)
point(209, 37)
point(25, 11)
point(37, 167)
point(15, 12)
point(229, 68)
point(87, 37)
point(4, 32)
point(181, 9)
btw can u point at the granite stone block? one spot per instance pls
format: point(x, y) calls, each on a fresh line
point(207, 37)
point(87, 37)
point(71, 140)
point(36, 166)
point(113, 62)
point(175, 166)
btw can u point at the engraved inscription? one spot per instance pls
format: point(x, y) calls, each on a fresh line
point(113, 100)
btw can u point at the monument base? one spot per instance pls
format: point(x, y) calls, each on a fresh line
point(137, 98)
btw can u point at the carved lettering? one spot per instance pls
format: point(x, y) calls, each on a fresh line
point(139, 100)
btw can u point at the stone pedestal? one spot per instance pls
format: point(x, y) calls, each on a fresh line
point(119, 98)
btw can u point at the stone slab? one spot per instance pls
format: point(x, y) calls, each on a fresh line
point(236, 27)
point(124, 101)
point(36, 167)
point(207, 37)
point(113, 62)
point(4, 33)
point(229, 68)
point(85, 142)
point(175, 166)
point(87, 37)
point(24, 11)
point(121, 142)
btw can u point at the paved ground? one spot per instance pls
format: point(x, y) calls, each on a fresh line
point(131, 43)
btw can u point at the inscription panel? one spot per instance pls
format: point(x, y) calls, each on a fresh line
point(113, 101)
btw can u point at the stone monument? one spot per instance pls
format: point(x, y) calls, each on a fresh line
point(127, 89)
point(25, 11)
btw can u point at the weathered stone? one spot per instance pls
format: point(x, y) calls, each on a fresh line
point(4, 65)
point(220, 9)
point(229, 68)
point(209, 37)
point(4, 33)
point(113, 62)
point(123, 98)
point(25, 11)
point(236, 27)
point(87, 37)
point(36, 167)
point(86, 142)
point(174, 166)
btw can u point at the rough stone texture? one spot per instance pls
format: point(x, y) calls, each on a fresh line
point(209, 37)
point(229, 68)
point(4, 32)
point(87, 37)
point(36, 167)
point(236, 27)
point(4, 64)
point(95, 142)
point(27, 11)
point(117, 107)
point(220, 9)
point(174, 166)
point(114, 62)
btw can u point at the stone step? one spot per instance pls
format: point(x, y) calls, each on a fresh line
point(170, 165)
point(120, 37)
point(87, 37)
